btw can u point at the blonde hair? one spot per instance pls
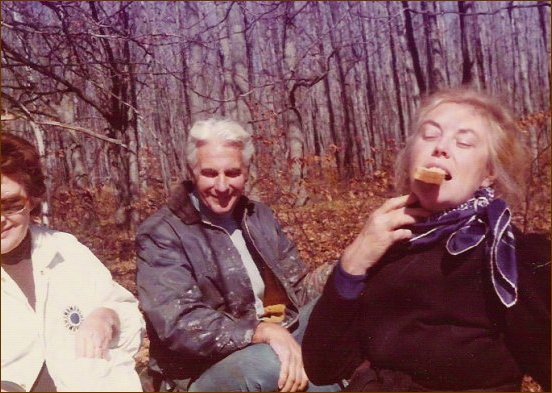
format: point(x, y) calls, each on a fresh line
point(228, 131)
point(508, 152)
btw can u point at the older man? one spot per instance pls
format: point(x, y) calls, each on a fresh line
point(222, 287)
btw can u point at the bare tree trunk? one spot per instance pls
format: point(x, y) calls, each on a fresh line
point(412, 48)
point(185, 104)
point(335, 137)
point(411, 77)
point(370, 99)
point(118, 119)
point(295, 124)
point(397, 84)
point(522, 72)
point(40, 145)
point(318, 144)
point(479, 58)
point(349, 142)
point(133, 141)
point(467, 63)
point(522, 75)
point(544, 21)
point(435, 62)
point(444, 39)
point(72, 144)
point(232, 47)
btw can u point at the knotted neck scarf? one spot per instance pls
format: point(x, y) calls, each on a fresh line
point(481, 217)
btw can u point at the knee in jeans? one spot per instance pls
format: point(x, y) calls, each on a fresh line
point(254, 369)
point(260, 379)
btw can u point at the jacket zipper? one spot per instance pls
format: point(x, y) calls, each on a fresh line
point(292, 298)
point(228, 234)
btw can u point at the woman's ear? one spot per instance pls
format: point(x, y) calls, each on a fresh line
point(488, 181)
point(491, 176)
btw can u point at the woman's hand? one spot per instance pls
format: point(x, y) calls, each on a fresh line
point(97, 331)
point(384, 227)
point(293, 377)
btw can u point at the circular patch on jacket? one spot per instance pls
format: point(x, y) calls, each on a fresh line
point(73, 318)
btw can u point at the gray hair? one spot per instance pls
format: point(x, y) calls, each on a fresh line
point(227, 131)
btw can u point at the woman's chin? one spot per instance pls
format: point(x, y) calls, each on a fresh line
point(431, 197)
point(8, 246)
point(11, 238)
point(434, 203)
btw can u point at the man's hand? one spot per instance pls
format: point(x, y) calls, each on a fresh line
point(98, 329)
point(384, 227)
point(292, 373)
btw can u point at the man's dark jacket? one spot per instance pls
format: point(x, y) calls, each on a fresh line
point(193, 286)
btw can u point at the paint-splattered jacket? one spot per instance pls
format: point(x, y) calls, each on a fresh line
point(193, 286)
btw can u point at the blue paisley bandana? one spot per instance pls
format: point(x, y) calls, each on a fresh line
point(482, 217)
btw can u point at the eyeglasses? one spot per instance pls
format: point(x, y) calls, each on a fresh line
point(14, 206)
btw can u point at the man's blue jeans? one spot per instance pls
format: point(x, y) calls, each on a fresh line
point(255, 368)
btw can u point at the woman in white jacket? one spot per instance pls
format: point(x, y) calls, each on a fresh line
point(66, 325)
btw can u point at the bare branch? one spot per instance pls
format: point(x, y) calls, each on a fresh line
point(508, 8)
point(85, 131)
point(30, 117)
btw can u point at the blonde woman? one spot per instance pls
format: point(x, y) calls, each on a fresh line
point(440, 291)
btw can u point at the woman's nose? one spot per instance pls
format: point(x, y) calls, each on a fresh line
point(442, 148)
point(221, 183)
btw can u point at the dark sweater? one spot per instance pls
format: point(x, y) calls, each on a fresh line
point(437, 318)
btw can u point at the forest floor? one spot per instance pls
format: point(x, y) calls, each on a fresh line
point(333, 215)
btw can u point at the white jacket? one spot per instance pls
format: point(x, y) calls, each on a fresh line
point(70, 282)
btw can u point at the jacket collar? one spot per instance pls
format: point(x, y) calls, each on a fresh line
point(180, 204)
point(44, 253)
point(45, 249)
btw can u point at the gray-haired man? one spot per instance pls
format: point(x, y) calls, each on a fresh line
point(222, 287)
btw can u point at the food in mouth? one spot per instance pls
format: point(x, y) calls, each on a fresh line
point(430, 175)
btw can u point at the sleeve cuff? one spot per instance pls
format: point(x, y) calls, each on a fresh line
point(348, 286)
